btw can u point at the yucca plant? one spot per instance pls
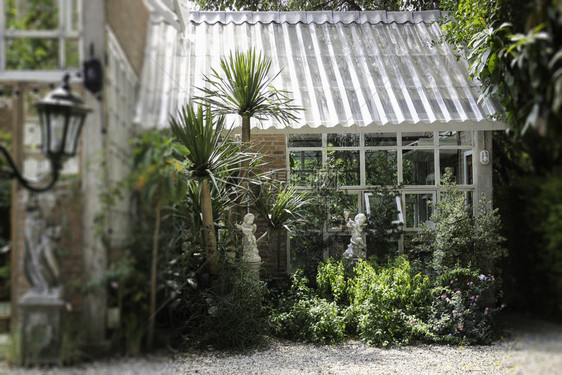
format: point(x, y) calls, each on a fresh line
point(214, 157)
point(280, 205)
point(244, 87)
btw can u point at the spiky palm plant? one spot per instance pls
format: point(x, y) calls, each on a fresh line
point(244, 87)
point(280, 206)
point(213, 159)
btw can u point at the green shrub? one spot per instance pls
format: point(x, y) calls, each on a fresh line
point(382, 305)
point(549, 207)
point(332, 280)
point(233, 316)
point(458, 237)
point(301, 315)
point(390, 303)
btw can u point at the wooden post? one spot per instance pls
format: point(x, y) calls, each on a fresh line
point(18, 114)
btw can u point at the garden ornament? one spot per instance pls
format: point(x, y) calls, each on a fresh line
point(41, 267)
point(248, 228)
point(357, 247)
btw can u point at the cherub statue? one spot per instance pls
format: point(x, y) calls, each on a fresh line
point(248, 228)
point(357, 247)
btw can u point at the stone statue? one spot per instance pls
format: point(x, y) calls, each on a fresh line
point(248, 228)
point(40, 263)
point(357, 247)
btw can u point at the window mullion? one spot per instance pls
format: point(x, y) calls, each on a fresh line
point(62, 31)
point(324, 149)
point(362, 170)
point(2, 37)
point(399, 157)
point(437, 161)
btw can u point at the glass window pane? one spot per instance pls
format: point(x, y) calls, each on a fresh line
point(380, 139)
point(347, 164)
point(342, 208)
point(418, 167)
point(304, 140)
point(72, 51)
point(304, 165)
point(458, 163)
point(72, 15)
point(455, 138)
point(377, 204)
point(381, 168)
point(343, 140)
point(32, 54)
point(31, 15)
point(414, 139)
point(418, 209)
point(337, 246)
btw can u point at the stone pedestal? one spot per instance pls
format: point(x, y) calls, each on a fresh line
point(254, 268)
point(41, 331)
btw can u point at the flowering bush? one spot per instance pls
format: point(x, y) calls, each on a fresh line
point(464, 306)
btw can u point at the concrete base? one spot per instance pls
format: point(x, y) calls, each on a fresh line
point(41, 331)
point(4, 344)
point(254, 268)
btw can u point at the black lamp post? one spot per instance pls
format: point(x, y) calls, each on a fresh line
point(61, 116)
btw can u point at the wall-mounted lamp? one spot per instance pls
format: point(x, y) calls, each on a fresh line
point(484, 154)
point(485, 157)
point(61, 116)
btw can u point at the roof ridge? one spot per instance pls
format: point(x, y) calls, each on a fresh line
point(307, 17)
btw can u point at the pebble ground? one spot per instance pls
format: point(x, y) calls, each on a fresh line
point(530, 347)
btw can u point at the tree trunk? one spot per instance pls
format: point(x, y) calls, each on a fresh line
point(245, 165)
point(209, 227)
point(279, 251)
point(246, 129)
point(154, 271)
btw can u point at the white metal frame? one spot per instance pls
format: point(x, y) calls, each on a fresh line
point(399, 208)
point(362, 189)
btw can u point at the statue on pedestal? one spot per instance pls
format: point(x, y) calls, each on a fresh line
point(42, 307)
point(250, 247)
point(41, 236)
point(357, 247)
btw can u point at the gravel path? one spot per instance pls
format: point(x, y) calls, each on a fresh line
point(532, 347)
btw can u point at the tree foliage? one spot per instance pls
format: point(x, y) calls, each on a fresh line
point(31, 53)
point(515, 50)
point(304, 5)
point(159, 181)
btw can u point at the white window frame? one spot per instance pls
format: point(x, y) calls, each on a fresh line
point(63, 33)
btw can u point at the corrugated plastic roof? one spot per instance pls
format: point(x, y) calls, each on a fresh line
point(354, 70)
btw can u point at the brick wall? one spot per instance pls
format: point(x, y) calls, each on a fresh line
point(273, 148)
point(129, 20)
point(68, 214)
